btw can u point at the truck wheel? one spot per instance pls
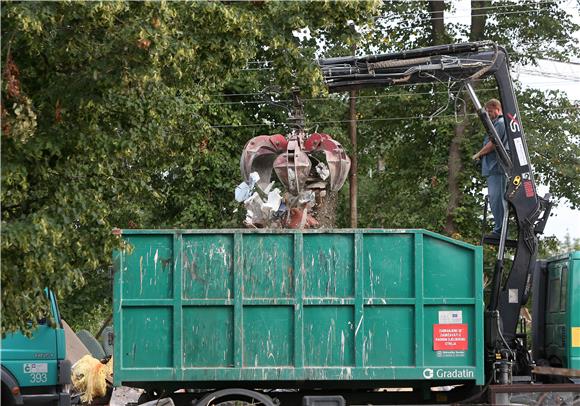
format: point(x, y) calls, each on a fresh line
point(148, 396)
point(237, 403)
point(236, 397)
point(7, 398)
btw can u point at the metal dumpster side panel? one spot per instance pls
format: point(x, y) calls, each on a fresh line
point(562, 327)
point(573, 293)
point(284, 305)
point(556, 314)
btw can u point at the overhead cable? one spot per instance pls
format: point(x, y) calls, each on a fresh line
point(365, 120)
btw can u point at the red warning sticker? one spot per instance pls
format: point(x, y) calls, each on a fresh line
point(449, 337)
point(529, 188)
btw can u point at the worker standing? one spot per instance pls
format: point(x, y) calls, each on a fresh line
point(490, 167)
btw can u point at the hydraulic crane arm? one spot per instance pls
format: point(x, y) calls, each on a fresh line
point(467, 63)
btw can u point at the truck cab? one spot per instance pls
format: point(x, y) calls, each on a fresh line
point(34, 369)
point(556, 326)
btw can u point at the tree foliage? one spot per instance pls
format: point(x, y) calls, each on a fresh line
point(134, 114)
point(107, 123)
point(406, 150)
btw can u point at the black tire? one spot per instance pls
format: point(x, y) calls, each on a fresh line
point(7, 398)
point(236, 397)
point(149, 395)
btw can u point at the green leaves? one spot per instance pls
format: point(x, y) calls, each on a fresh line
point(128, 114)
point(112, 128)
point(553, 128)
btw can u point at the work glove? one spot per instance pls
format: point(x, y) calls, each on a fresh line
point(475, 157)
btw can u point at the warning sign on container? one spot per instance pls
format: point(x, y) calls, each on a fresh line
point(450, 337)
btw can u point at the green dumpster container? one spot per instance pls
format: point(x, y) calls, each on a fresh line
point(283, 308)
point(556, 326)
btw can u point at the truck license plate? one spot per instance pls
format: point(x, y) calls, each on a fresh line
point(33, 367)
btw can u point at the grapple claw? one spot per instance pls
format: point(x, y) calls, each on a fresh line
point(289, 157)
point(259, 155)
point(337, 160)
point(292, 167)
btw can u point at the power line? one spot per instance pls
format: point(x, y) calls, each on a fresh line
point(422, 12)
point(557, 41)
point(482, 8)
point(517, 5)
point(322, 99)
point(551, 42)
point(330, 99)
point(421, 117)
point(496, 14)
point(568, 78)
point(562, 62)
point(545, 51)
point(380, 96)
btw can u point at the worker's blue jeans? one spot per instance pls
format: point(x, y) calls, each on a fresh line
point(496, 185)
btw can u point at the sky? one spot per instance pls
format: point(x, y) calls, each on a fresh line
point(548, 75)
point(565, 219)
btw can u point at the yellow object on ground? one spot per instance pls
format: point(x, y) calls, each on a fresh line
point(89, 376)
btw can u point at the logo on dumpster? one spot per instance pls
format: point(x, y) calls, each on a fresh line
point(440, 373)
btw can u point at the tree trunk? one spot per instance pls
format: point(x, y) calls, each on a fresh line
point(438, 33)
point(454, 163)
point(454, 168)
point(478, 18)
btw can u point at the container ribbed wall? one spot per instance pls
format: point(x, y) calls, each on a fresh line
point(283, 305)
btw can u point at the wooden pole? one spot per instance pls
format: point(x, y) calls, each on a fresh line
point(353, 161)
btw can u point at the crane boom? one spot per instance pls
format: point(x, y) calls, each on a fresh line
point(468, 63)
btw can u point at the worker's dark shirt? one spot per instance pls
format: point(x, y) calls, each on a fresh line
point(489, 163)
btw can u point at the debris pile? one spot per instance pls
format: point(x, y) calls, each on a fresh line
point(267, 208)
point(297, 160)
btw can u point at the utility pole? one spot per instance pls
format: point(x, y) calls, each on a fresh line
point(352, 179)
point(353, 158)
